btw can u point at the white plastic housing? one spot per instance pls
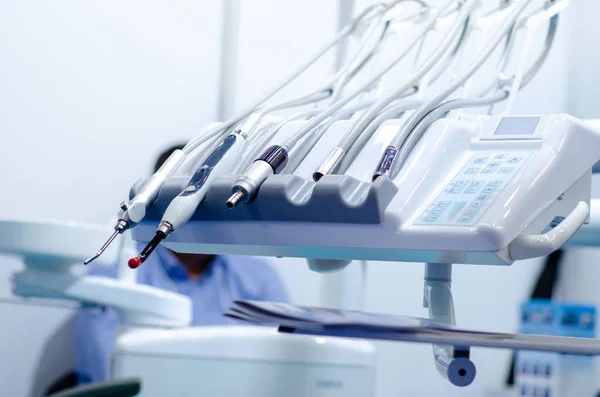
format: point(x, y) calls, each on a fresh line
point(136, 208)
point(244, 361)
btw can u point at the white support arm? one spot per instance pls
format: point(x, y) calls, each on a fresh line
point(343, 284)
point(452, 362)
point(588, 235)
point(536, 245)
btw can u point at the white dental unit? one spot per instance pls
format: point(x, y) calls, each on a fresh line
point(381, 172)
point(478, 189)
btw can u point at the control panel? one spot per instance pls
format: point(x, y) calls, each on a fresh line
point(473, 190)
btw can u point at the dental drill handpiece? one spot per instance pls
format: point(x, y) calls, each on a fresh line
point(221, 161)
point(272, 161)
point(133, 211)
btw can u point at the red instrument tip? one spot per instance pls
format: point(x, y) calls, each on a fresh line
point(135, 262)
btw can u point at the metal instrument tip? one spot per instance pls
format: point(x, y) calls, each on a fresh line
point(91, 258)
point(104, 247)
point(235, 199)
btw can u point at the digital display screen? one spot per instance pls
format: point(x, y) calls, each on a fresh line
point(517, 126)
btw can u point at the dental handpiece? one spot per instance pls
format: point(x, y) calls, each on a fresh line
point(272, 161)
point(221, 161)
point(133, 212)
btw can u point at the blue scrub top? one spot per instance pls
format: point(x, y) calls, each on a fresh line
point(226, 279)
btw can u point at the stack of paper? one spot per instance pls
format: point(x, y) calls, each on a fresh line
point(322, 318)
point(356, 324)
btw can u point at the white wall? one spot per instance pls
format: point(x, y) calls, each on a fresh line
point(94, 90)
point(272, 46)
point(583, 58)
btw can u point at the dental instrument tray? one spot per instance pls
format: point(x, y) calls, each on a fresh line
point(475, 189)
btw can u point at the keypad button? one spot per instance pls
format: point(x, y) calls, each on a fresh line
point(444, 204)
point(483, 196)
point(476, 204)
point(514, 160)
point(465, 219)
point(505, 170)
point(471, 171)
point(488, 170)
point(461, 183)
point(456, 208)
point(472, 190)
point(489, 190)
point(471, 211)
point(495, 183)
point(500, 156)
point(456, 190)
point(437, 211)
point(480, 160)
point(431, 219)
point(477, 183)
point(494, 163)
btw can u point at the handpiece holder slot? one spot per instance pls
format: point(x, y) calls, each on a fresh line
point(287, 198)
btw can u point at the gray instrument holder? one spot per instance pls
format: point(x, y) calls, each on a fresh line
point(286, 198)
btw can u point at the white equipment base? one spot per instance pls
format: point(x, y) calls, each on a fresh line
point(244, 361)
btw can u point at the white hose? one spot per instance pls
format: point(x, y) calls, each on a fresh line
point(394, 110)
point(332, 43)
point(351, 68)
point(436, 114)
point(380, 105)
point(257, 145)
point(420, 113)
point(295, 158)
point(289, 143)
